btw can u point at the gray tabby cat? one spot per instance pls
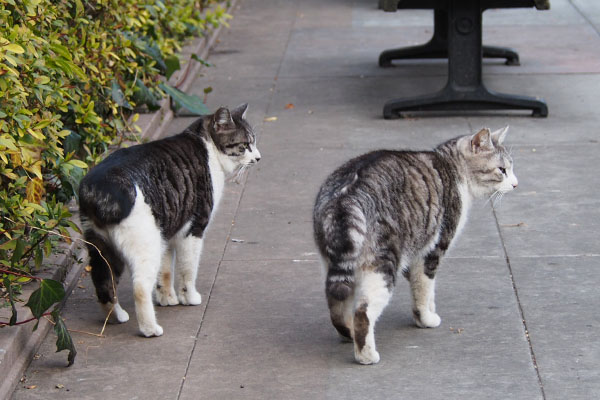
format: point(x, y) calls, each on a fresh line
point(149, 204)
point(390, 210)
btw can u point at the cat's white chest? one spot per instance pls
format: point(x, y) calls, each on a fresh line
point(465, 198)
point(217, 175)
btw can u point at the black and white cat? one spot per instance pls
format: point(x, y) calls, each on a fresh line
point(147, 205)
point(399, 210)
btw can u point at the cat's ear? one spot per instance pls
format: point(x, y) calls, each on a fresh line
point(222, 120)
point(482, 141)
point(499, 135)
point(240, 111)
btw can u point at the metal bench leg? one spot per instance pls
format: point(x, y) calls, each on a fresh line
point(512, 57)
point(465, 89)
point(437, 47)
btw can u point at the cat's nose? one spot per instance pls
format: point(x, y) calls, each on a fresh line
point(257, 159)
point(514, 185)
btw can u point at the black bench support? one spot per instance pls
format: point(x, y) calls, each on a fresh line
point(464, 89)
point(437, 47)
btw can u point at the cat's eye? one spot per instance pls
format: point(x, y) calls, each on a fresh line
point(503, 170)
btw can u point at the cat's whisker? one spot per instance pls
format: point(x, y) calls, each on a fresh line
point(491, 198)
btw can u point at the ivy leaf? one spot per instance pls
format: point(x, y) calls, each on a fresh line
point(64, 341)
point(154, 52)
point(173, 65)
point(8, 286)
point(18, 251)
point(118, 96)
point(143, 95)
point(49, 292)
point(72, 142)
point(191, 103)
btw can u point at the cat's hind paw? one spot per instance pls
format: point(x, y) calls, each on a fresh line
point(366, 356)
point(115, 312)
point(426, 319)
point(190, 297)
point(166, 298)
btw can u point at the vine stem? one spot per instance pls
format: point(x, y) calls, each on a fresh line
point(25, 321)
point(6, 271)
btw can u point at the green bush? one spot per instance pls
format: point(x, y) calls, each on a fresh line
point(71, 74)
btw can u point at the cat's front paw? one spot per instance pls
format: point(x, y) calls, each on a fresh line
point(426, 319)
point(166, 297)
point(151, 330)
point(367, 356)
point(189, 297)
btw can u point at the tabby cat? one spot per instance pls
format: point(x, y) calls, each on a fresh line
point(399, 210)
point(145, 206)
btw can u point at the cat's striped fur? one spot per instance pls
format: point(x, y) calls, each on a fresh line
point(387, 211)
point(149, 204)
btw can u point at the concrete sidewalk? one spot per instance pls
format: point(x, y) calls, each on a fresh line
point(517, 295)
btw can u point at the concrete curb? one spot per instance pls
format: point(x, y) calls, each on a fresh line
point(18, 344)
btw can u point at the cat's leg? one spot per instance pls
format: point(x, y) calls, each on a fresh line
point(165, 286)
point(141, 244)
point(187, 253)
point(422, 286)
point(373, 293)
point(107, 268)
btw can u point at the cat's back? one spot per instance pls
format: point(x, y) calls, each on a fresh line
point(380, 174)
point(166, 171)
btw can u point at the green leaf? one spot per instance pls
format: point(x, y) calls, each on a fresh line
point(154, 52)
point(49, 292)
point(18, 251)
point(8, 286)
point(143, 95)
point(201, 61)
point(191, 103)
point(39, 257)
point(173, 65)
point(118, 96)
point(61, 51)
point(72, 142)
point(64, 341)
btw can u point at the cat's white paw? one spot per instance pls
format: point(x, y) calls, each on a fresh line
point(152, 330)
point(190, 297)
point(117, 314)
point(367, 356)
point(166, 297)
point(121, 316)
point(427, 319)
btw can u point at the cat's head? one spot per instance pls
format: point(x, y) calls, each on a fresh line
point(234, 138)
point(489, 164)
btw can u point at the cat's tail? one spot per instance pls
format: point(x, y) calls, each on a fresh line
point(340, 283)
point(107, 266)
point(344, 230)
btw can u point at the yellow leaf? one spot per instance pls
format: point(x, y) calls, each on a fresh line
point(270, 119)
point(36, 169)
point(13, 61)
point(78, 163)
point(35, 190)
point(36, 134)
point(15, 48)
point(42, 80)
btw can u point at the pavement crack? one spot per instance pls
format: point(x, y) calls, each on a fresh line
point(521, 311)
